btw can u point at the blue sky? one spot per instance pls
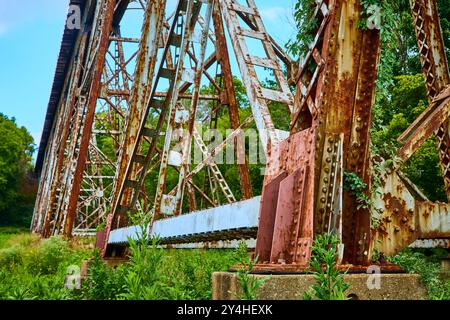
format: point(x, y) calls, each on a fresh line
point(30, 36)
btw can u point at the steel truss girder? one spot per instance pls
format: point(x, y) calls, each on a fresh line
point(335, 93)
point(161, 157)
point(51, 213)
point(303, 191)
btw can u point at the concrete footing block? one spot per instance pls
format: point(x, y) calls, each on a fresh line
point(399, 286)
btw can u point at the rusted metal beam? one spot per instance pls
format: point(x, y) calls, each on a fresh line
point(224, 61)
point(91, 103)
point(311, 199)
point(140, 93)
point(303, 193)
point(433, 118)
point(165, 204)
point(186, 148)
point(189, 96)
point(258, 97)
point(71, 105)
point(405, 218)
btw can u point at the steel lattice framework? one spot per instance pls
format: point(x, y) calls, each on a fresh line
point(123, 113)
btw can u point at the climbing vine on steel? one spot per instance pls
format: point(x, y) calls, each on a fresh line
point(355, 185)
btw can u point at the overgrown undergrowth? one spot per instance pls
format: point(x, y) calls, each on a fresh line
point(166, 275)
point(427, 263)
point(31, 268)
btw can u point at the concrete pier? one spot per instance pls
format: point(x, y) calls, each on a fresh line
point(399, 286)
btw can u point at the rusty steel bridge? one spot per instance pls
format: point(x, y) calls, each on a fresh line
point(120, 97)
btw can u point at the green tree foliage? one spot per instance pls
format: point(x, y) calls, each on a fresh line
point(16, 187)
point(406, 102)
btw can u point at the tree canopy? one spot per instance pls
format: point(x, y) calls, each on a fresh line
point(16, 185)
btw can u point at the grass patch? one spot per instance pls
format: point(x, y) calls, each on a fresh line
point(7, 233)
point(32, 268)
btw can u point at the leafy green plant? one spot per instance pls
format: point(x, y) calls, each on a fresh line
point(428, 267)
point(11, 256)
point(248, 284)
point(330, 282)
point(103, 282)
point(354, 184)
point(377, 255)
point(101, 226)
point(21, 293)
point(143, 280)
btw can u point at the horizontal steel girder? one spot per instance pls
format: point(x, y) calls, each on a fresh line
point(233, 221)
point(216, 227)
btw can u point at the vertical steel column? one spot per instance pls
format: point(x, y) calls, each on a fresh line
point(182, 74)
point(259, 97)
point(304, 188)
point(344, 108)
point(66, 127)
point(224, 60)
point(198, 72)
point(140, 93)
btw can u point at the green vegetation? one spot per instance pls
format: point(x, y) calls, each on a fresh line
point(330, 281)
point(427, 264)
point(175, 275)
point(153, 273)
point(331, 285)
point(248, 284)
point(355, 185)
point(31, 268)
point(17, 187)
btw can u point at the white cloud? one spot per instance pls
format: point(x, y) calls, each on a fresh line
point(274, 13)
